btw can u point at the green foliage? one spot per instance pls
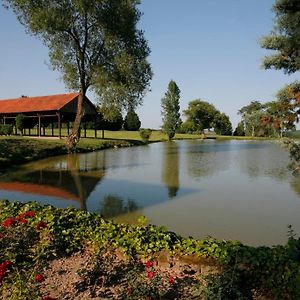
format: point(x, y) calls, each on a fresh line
point(239, 131)
point(200, 114)
point(170, 110)
point(87, 47)
point(20, 122)
point(284, 39)
point(6, 129)
point(222, 124)
point(187, 127)
point(111, 118)
point(273, 272)
point(132, 121)
point(145, 134)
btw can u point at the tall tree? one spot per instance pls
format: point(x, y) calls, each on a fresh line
point(95, 44)
point(170, 109)
point(200, 114)
point(284, 39)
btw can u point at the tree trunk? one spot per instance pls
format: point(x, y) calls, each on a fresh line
point(73, 138)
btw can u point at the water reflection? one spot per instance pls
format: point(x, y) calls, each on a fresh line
point(170, 170)
point(113, 205)
point(228, 189)
point(205, 159)
point(70, 178)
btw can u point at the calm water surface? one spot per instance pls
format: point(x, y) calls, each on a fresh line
point(227, 189)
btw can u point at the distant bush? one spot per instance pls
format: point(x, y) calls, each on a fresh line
point(6, 129)
point(145, 134)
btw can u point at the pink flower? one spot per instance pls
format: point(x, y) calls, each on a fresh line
point(150, 274)
point(39, 278)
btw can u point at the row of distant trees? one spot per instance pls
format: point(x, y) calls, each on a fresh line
point(272, 118)
point(199, 115)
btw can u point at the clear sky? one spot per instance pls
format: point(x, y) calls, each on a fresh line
point(209, 47)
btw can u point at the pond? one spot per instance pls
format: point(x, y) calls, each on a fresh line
point(240, 190)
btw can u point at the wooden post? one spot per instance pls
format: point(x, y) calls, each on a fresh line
point(29, 131)
point(44, 130)
point(84, 125)
point(39, 125)
point(4, 120)
point(52, 129)
point(59, 124)
point(95, 126)
point(68, 127)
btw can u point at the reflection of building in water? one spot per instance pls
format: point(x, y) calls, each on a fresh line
point(70, 178)
point(170, 169)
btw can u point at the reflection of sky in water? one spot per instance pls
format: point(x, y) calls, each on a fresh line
point(227, 189)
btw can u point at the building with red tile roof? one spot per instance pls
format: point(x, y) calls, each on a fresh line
point(45, 110)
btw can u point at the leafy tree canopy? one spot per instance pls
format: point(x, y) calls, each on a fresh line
point(284, 39)
point(93, 44)
point(222, 124)
point(200, 114)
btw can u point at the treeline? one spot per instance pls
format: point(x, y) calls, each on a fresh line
point(199, 115)
point(271, 119)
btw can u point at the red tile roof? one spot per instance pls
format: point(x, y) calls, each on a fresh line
point(31, 104)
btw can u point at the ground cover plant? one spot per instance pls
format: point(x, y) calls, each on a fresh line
point(50, 253)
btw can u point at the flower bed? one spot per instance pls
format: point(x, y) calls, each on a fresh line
point(156, 263)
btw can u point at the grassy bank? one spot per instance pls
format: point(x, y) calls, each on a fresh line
point(17, 150)
point(43, 249)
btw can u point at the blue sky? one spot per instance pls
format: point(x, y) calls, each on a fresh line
point(209, 47)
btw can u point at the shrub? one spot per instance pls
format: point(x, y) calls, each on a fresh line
point(145, 134)
point(6, 129)
point(20, 122)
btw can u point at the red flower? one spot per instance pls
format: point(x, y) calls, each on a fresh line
point(8, 222)
point(39, 278)
point(41, 225)
point(23, 221)
point(6, 264)
point(29, 214)
point(48, 298)
point(171, 279)
point(149, 264)
point(150, 274)
point(1, 235)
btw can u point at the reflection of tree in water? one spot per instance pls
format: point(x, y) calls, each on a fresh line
point(295, 185)
point(207, 158)
point(170, 170)
point(113, 206)
point(270, 161)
